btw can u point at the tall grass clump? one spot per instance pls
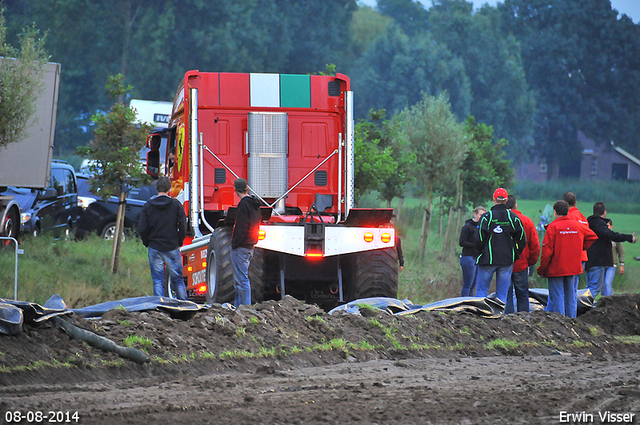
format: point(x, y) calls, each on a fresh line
point(78, 271)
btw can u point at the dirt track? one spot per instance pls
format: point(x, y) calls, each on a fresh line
point(433, 368)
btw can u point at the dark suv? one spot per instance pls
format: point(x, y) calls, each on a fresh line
point(100, 215)
point(55, 208)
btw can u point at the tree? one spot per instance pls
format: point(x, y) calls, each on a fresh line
point(485, 166)
point(492, 58)
point(582, 62)
point(409, 14)
point(440, 147)
point(395, 70)
point(365, 26)
point(394, 185)
point(373, 163)
point(115, 148)
point(20, 81)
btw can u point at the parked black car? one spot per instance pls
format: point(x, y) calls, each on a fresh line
point(100, 216)
point(53, 209)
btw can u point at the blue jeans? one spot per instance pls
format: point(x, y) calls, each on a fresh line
point(595, 280)
point(469, 273)
point(519, 282)
point(241, 258)
point(503, 280)
point(609, 274)
point(563, 296)
point(173, 262)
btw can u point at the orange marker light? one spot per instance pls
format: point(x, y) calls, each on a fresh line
point(261, 235)
point(385, 237)
point(190, 269)
point(368, 237)
point(202, 289)
point(204, 264)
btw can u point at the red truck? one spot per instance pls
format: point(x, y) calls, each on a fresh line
point(291, 137)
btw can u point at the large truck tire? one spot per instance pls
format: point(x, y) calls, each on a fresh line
point(372, 274)
point(219, 274)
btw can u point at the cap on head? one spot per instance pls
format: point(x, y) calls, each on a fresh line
point(240, 185)
point(500, 194)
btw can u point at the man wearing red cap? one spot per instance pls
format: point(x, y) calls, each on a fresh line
point(502, 238)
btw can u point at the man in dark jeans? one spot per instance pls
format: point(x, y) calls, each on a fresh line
point(600, 254)
point(243, 239)
point(163, 226)
point(502, 239)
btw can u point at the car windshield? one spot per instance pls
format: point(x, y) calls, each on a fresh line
point(138, 193)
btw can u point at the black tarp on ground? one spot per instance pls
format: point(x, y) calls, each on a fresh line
point(13, 314)
point(489, 307)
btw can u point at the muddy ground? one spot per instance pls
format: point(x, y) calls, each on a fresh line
point(288, 362)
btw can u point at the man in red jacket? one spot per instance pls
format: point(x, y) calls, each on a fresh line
point(528, 258)
point(562, 247)
point(574, 213)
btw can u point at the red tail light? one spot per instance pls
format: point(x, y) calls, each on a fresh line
point(385, 237)
point(261, 235)
point(368, 237)
point(202, 289)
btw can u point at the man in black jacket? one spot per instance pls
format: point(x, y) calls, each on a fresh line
point(243, 239)
point(163, 226)
point(600, 254)
point(502, 240)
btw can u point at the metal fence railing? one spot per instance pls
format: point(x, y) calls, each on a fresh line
point(17, 251)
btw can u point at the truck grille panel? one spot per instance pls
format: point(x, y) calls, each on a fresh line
point(267, 147)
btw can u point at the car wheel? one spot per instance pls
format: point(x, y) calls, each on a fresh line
point(109, 231)
point(10, 224)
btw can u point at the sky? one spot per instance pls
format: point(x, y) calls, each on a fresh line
point(629, 7)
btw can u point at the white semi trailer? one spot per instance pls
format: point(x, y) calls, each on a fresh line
point(27, 162)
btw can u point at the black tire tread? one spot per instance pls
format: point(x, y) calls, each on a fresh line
point(221, 243)
point(373, 274)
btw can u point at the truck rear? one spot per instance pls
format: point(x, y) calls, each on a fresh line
point(27, 162)
point(291, 138)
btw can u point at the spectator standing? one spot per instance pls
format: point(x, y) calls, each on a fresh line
point(574, 213)
point(162, 227)
point(470, 241)
point(618, 263)
point(601, 252)
point(562, 247)
point(528, 258)
point(243, 239)
point(502, 239)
